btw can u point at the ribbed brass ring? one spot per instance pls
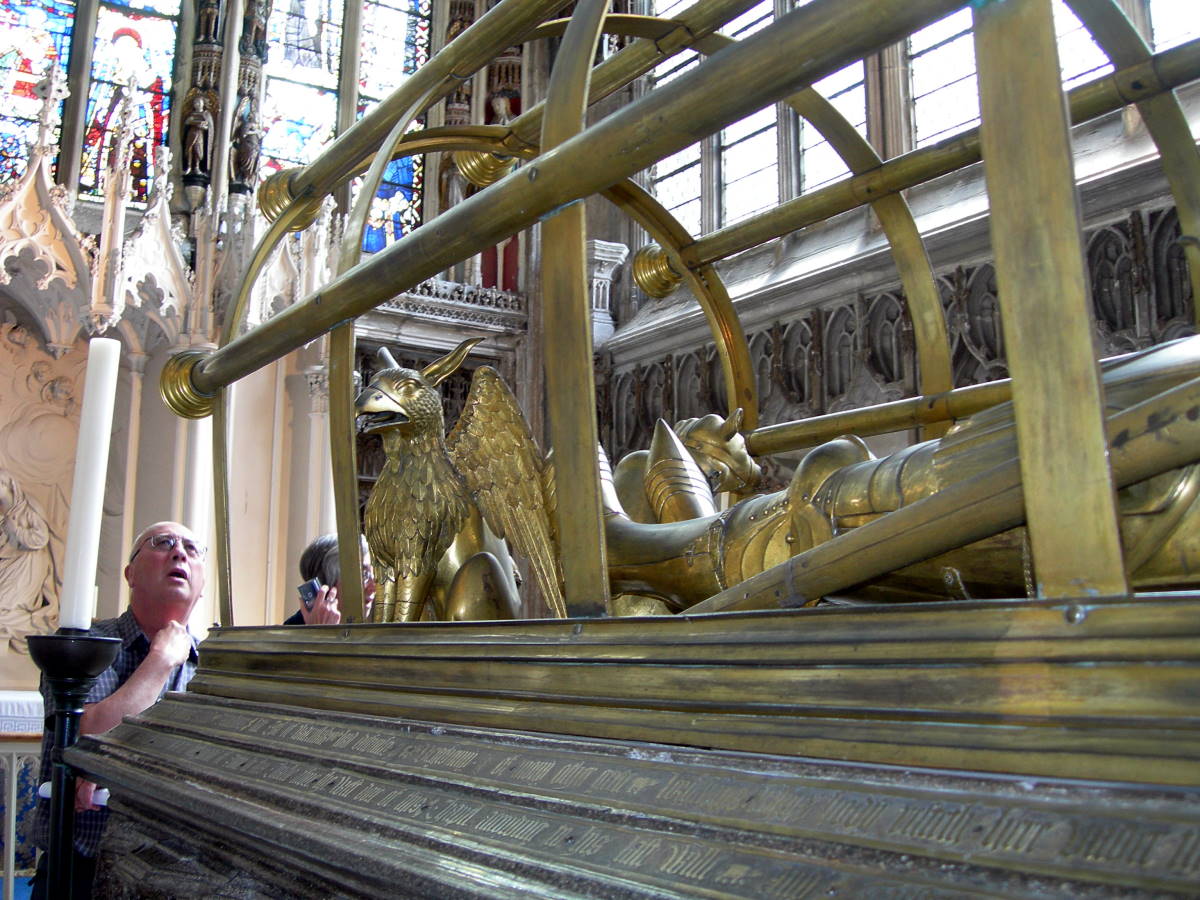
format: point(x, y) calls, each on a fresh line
point(178, 391)
point(275, 195)
point(653, 272)
point(482, 168)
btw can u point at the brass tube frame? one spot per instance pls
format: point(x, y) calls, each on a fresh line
point(672, 117)
point(1058, 402)
point(883, 418)
point(1131, 84)
point(566, 311)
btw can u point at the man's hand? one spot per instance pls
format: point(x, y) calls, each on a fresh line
point(171, 644)
point(84, 790)
point(325, 609)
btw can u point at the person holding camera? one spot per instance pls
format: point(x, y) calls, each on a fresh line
point(321, 571)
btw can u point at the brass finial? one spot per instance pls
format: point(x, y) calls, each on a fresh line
point(653, 272)
point(482, 168)
point(275, 195)
point(178, 391)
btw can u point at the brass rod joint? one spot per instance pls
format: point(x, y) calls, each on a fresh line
point(177, 389)
point(653, 272)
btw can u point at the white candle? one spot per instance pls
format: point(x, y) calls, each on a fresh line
point(87, 493)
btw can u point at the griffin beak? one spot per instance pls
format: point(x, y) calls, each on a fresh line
point(377, 411)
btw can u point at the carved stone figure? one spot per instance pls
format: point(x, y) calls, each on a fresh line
point(254, 29)
point(197, 137)
point(245, 147)
point(206, 22)
point(27, 583)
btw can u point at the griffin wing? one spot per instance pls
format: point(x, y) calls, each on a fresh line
point(494, 451)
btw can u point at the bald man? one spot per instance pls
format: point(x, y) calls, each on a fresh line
point(166, 577)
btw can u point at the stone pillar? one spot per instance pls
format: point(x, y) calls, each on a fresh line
point(137, 377)
point(319, 508)
point(603, 257)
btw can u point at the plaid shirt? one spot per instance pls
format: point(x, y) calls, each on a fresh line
point(89, 824)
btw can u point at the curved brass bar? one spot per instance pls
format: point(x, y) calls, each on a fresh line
point(908, 249)
point(221, 508)
point(567, 314)
point(651, 28)
point(342, 451)
point(683, 30)
point(236, 311)
point(741, 390)
point(662, 226)
point(505, 24)
point(671, 35)
point(343, 458)
point(1164, 119)
point(768, 66)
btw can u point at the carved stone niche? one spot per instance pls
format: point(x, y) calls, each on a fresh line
point(673, 757)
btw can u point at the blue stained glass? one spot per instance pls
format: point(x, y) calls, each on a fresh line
point(388, 27)
point(32, 36)
point(374, 238)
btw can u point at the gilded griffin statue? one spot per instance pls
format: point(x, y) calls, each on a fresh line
point(443, 506)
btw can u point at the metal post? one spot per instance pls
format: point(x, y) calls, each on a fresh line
point(71, 660)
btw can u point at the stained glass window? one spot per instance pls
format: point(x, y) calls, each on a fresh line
point(130, 48)
point(945, 89)
point(676, 180)
point(299, 115)
point(677, 187)
point(299, 120)
point(388, 25)
point(32, 36)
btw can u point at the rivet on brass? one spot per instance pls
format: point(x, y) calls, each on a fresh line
point(653, 272)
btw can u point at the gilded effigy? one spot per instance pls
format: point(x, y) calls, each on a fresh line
point(1032, 733)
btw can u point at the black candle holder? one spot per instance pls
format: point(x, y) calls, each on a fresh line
point(71, 660)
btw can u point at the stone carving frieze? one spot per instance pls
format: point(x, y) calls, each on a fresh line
point(462, 304)
point(40, 398)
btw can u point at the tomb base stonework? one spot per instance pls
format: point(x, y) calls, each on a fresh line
point(1051, 751)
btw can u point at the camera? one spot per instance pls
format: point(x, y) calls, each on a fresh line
point(308, 592)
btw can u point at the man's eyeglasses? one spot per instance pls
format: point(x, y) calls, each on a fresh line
point(165, 543)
